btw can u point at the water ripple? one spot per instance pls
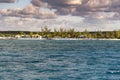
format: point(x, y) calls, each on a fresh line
point(59, 60)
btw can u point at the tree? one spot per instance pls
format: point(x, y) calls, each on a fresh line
point(62, 33)
point(31, 34)
point(86, 33)
point(22, 33)
point(46, 31)
point(55, 33)
point(107, 35)
point(117, 34)
point(71, 31)
point(77, 34)
point(100, 34)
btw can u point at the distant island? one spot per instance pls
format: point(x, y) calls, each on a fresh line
point(60, 33)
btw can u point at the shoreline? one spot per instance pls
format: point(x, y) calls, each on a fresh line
point(8, 38)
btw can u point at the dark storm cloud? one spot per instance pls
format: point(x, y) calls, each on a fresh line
point(7, 1)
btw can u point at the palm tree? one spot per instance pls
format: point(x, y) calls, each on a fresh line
point(107, 35)
point(71, 32)
point(31, 34)
point(46, 31)
point(22, 33)
point(77, 34)
point(55, 33)
point(117, 34)
point(61, 32)
point(100, 34)
point(86, 33)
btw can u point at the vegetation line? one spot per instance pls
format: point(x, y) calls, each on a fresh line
point(63, 33)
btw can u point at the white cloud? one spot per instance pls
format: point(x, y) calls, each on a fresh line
point(29, 11)
point(80, 24)
point(86, 14)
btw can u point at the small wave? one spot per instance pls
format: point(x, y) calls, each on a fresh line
point(113, 72)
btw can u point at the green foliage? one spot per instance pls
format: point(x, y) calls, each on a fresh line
point(63, 33)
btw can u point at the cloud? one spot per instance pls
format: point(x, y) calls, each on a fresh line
point(29, 11)
point(32, 24)
point(100, 9)
point(101, 15)
point(7, 1)
point(80, 7)
point(38, 3)
point(81, 14)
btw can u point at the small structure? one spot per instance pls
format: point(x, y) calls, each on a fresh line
point(17, 36)
point(82, 36)
point(28, 36)
point(40, 37)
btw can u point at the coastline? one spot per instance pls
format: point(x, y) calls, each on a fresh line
point(11, 38)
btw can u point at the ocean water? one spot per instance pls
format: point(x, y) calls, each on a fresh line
point(59, 60)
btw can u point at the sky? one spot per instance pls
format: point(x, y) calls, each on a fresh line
point(32, 15)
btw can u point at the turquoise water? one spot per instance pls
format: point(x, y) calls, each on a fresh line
point(59, 60)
